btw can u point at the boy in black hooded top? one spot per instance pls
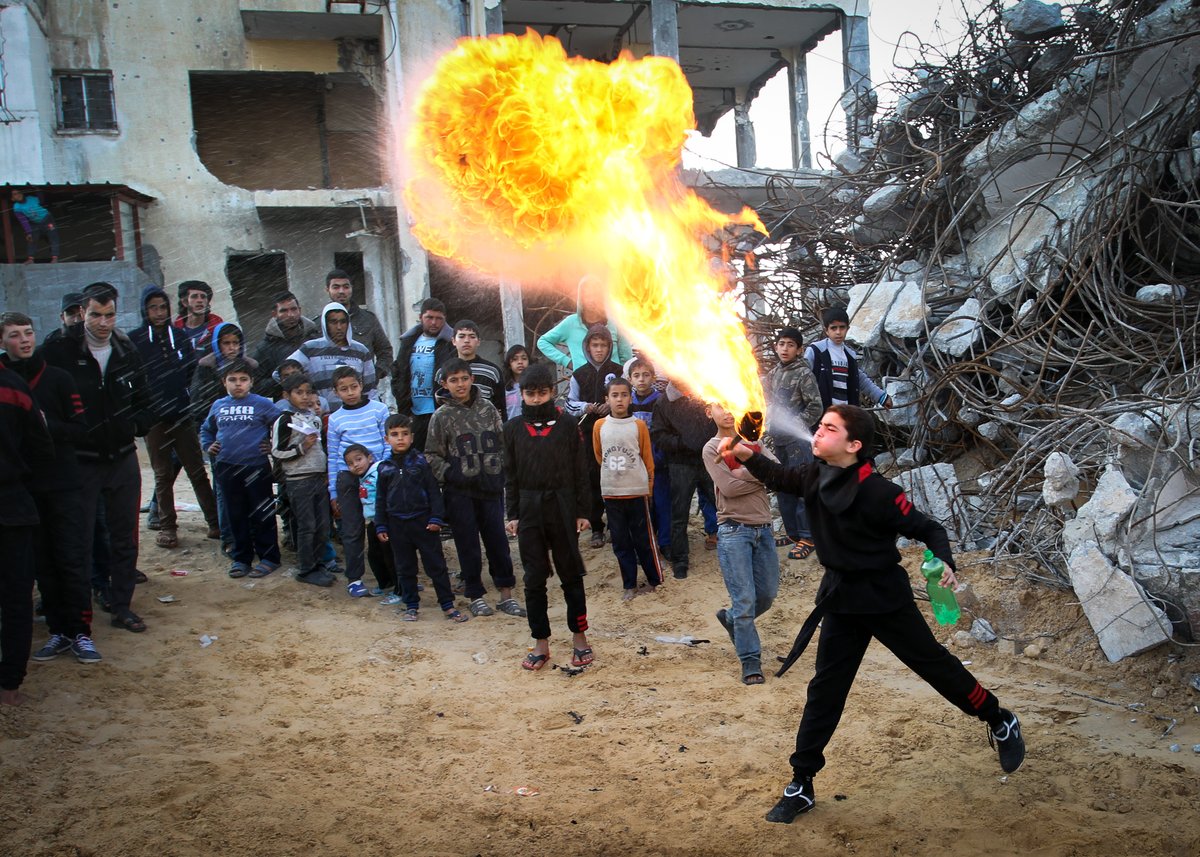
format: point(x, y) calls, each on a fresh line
point(546, 490)
point(856, 515)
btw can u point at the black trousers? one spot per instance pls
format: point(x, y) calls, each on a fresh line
point(353, 525)
point(420, 428)
point(686, 480)
point(62, 578)
point(629, 524)
point(408, 539)
point(380, 559)
point(843, 642)
point(473, 519)
point(308, 500)
point(251, 504)
point(16, 604)
point(119, 484)
point(540, 537)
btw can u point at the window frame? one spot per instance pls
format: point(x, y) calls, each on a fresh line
point(88, 78)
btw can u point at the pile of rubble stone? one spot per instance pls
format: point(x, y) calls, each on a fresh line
point(1018, 244)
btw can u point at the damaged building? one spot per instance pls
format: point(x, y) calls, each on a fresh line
point(255, 144)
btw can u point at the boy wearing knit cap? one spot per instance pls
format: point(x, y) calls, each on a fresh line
point(793, 405)
point(835, 366)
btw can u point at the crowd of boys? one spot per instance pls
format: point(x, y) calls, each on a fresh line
point(299, 432)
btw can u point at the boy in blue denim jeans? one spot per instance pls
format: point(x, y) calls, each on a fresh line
point(745, 546)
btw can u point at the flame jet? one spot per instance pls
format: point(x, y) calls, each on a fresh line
point(525, 163)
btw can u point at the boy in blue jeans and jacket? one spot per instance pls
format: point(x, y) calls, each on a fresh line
point(236, 431)
point(408, 517)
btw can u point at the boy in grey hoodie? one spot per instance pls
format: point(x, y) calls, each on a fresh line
point(296, 445)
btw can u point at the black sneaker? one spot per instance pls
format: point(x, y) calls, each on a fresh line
point(798, 798)
point(1007, 740)
point(57, 644)
point(679, 572)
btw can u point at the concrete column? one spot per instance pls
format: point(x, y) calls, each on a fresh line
point(797, 70)
point(512, 314)
point(664, 28)
point(856, 72)
point(743, 132)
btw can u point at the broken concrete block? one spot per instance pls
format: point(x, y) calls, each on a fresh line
point(869, 306)
point(903, 394)
point(911, 457)
point(1161, 293)
point(849, 161)
point(981, 630)
point(1062, 479)
point(906, 316)
point(934, 490)
point(1006, 647)
point(886, 200)
point(1100, 518)
point(1124, 620)
point(957, 334)
point(1032, 20)
point(991, 431)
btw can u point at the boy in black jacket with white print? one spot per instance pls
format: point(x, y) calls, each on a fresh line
point(856, 515)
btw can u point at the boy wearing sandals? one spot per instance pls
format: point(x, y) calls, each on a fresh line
point(464, 451)
point(745, 546)
point(237, 431)
point(546, 490)
point(865, 594)
point(793, 404)
point(408, 517)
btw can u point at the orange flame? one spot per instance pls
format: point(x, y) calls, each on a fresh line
point(527, 164)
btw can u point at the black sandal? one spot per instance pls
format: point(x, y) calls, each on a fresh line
point(128, 620)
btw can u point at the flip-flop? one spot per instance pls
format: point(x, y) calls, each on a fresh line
point(263, 569)
point(534, 661)
point(457, 616)
point(581, 657)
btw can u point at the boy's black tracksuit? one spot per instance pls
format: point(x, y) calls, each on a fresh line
point(25, 447)
point(546, 491)
point(856, 515)
point(63, 579)
point(407, 501)
point(590, 383)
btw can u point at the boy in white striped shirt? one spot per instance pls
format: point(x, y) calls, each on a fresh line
point(359, 420)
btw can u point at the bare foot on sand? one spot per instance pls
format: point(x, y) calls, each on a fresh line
point(11, 697)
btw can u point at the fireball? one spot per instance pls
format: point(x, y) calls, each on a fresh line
point(528, 164)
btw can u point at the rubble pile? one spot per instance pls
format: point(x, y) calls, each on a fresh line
point(1018, 244)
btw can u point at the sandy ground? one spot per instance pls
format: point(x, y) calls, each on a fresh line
point(318, 724)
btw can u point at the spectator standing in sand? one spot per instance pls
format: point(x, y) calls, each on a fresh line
point(25, 445)
point(422, 352)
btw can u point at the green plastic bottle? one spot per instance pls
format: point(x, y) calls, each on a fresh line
point(945, 605)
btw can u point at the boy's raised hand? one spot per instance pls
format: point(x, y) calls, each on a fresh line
point(734, 447)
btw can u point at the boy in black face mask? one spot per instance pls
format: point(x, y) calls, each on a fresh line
point(546, 489)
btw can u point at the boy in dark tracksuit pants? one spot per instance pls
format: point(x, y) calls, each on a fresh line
point(59, 542)
point(546, 489)
point(409, 514)
point(587, 403)
point(856, 515)
point(25, 446)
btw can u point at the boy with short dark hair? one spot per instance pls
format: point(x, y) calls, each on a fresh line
point(359, 420)
point(485, 374)
point(408, 518)
point(296, 444)
point(235, 431)
point(587, 402)
point(642, 376)
point(856, 516)
point(793, 405)
point(835, 365)
point(465, 453)
point(546, 488)
point(621, 444)
point(745, 546)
